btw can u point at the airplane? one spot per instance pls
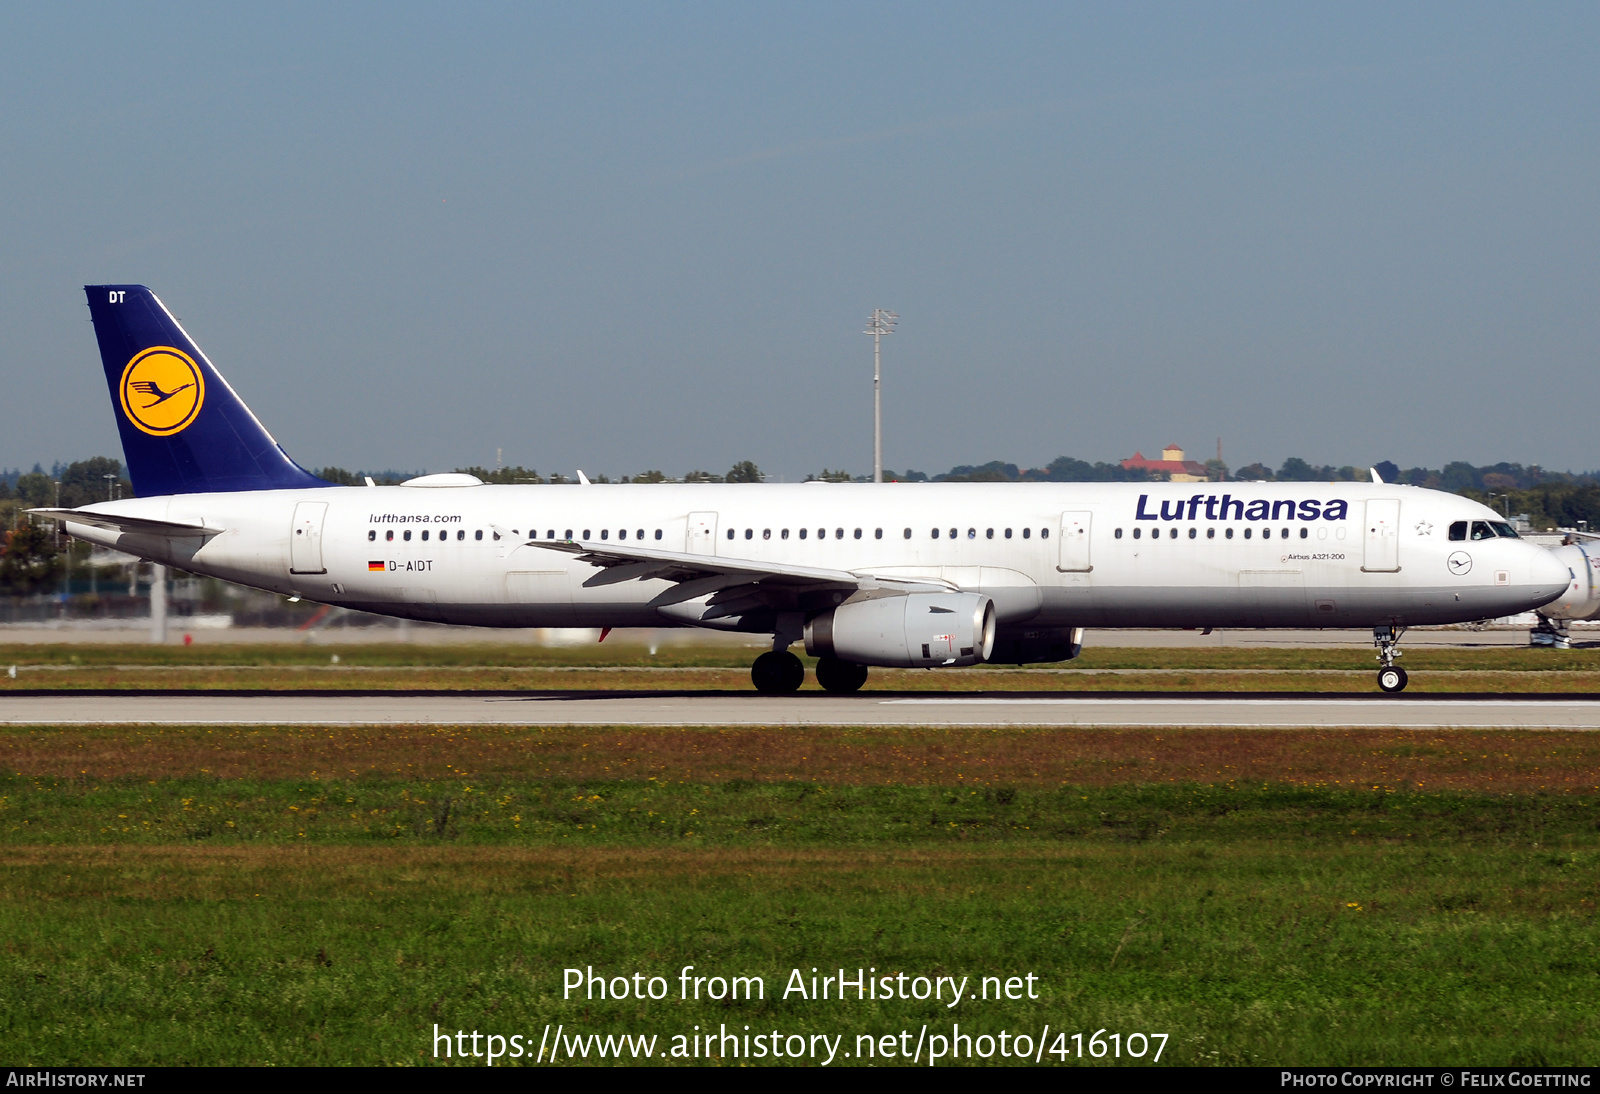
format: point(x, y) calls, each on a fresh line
point(1579, 600)
point(901, 575)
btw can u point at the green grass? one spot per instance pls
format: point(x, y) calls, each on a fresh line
point(739, 813)
point(338, 922)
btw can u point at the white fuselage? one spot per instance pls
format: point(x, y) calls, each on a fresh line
point(1071, 554)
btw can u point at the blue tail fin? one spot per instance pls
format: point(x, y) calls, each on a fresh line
point(183, 429)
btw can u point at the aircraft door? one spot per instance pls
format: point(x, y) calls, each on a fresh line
point(702, 534)
point(305, 538)
point(1074, 543)
point(1382, 536)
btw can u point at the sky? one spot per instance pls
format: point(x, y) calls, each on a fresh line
point(632, 236)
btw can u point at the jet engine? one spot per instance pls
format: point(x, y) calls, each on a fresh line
point(1581, 600)
point(916, 630)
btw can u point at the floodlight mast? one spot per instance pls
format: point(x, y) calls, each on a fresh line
point(879, 324)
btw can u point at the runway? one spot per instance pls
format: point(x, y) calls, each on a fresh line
point(677, 708)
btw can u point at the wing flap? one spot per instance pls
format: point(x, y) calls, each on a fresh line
point(698, 575)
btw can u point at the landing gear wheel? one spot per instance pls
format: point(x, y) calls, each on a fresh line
point(1392, 680)
point(840, 677)
point(777, 673)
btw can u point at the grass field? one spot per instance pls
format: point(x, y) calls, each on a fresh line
point(306, 896)
point(621, 667)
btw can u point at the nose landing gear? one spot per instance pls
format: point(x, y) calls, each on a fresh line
point(1391, 678)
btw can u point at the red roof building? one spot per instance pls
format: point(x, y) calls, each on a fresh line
point(1171, 464)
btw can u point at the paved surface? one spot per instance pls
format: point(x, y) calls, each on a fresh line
point(740, 709)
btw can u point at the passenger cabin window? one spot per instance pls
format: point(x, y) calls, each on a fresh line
point(406, 535)
point(1008, 533)
point(838, 533)
point(1044, 533)
point(1193, 532)
point(1228, 534)
point(730, 533)
point(1137, 532)
point(877, 533)
point(1026, 532)
point(988, 533)
point(372, 534)
point(389, 535)
point(1247, 533)
point(858, 533)
point(803, 533)
point(908, 533)
point(479, 534)
point(784, 534)
point(424, 535)
point(766, 533)
point(1117, 534)
point(658, 533)
point(1211, 533)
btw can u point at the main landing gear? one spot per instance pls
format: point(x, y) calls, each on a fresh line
point(1391, 678)
point(840, 677)
point(777, 672)
point(780, 672)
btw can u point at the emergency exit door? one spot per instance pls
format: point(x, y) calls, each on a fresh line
point(702, 534)
point(1382, 535)
point(1074, 543)
point(305, 538)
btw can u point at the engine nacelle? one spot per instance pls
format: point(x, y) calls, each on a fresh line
point(1036, 645)
point(1581, 600)
point(917, 630)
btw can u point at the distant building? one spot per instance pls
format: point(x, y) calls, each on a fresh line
point(1171, 464)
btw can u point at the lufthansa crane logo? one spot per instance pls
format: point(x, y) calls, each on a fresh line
point(162, 390)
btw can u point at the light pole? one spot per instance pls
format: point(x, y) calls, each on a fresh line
point(879, 323)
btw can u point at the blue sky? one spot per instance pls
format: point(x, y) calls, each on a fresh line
point(622, 237)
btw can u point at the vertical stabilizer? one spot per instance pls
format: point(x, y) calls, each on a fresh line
point(184, 431)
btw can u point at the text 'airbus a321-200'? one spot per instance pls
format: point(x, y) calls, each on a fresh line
point(925, 575)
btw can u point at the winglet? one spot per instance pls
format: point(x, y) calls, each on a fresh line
point(1377, 478)
point(583, 480)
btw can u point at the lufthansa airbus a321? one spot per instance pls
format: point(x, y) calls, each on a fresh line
point(889, 574)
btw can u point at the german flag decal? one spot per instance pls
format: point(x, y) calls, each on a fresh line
point(375, 567)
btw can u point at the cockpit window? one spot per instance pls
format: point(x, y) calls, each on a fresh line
point(1501, 528)
point(1481, 530)
point(1458, 530)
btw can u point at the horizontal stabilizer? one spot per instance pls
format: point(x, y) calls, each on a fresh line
point(139, 526)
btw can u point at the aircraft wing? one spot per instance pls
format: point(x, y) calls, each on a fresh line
point(139, 526)
point(736, 582)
